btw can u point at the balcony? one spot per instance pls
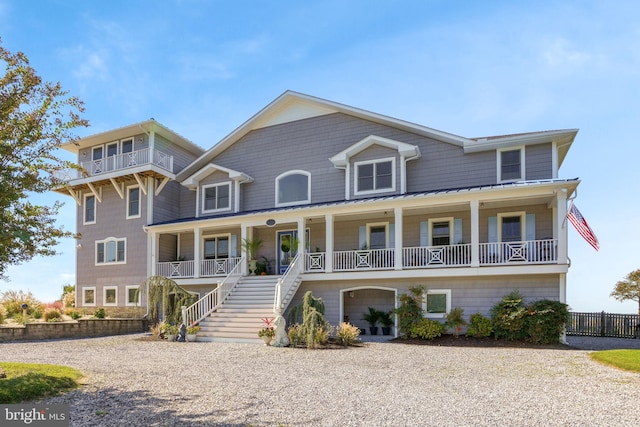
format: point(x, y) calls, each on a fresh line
point(120, 162)
point(529, 252)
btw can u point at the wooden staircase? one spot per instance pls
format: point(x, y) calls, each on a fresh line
point(239, 318)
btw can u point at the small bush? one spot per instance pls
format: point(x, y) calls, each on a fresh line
point(479, 326)
point(3, 314)
point(37, 313)
point(13, 300)
point(74, 314)
point(52, 315)
point(295, 335)
point(347, 334)
point(410, 310)
point(427, 329)
point(455, 321)
point(545, 321)
point(99, 313)
point(158, 330)
point(509, 316)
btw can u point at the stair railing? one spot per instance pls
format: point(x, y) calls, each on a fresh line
point(286, 283)
point(212, 300)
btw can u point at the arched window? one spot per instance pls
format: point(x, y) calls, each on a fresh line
point(293, 187)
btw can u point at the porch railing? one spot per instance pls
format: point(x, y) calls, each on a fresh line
point(525, 252)
point(217, 267)
point(175, 269)
point(373, 259)
point(437, 256)
point(286, 284)
point(210, 302)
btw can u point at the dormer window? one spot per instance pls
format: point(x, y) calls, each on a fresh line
point(293, 188)
point(375, 176)
point(511, 165)
point(216, 197)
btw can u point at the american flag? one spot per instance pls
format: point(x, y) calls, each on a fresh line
point(583, 228)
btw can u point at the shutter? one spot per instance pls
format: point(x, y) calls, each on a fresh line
point(392, 235)
point(457, 231)
point(424, 233)
point(233, 246)
point(493, 229)
point(362, 236)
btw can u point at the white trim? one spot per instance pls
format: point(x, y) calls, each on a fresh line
point(204, 195)
point(447, 292)
point(499, 164)
point(523, 223)
point(379, 288)
point(341, 159)
point(296, 202)
point(370, 225)
point(375, 190)
point(104, 296)
point(84, 209)
point(126, 297)
point(448, 219)
point(108, 240)
point(84, 301)
point(127, 213)
point(214, 236)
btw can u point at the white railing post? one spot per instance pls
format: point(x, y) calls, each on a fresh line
point(184, 315)
point(277, 303)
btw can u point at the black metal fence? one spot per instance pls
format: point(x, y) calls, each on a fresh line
point(604, 325)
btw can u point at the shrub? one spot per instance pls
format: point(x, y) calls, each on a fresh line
point(455, 321)
point(314, 327)
point(74, 314)
point(295, 335)
point(99, 313)
point(347, 334)
point(509, 316)
point(52, 315)
point(545, 321)
point(158, 329)
point(69, 299)
point(13, 300)
point(479, 326)
point(3, 314)
point(426, 329)
point(410, 310)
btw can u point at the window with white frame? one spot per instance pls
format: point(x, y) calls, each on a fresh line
point(377, 236)
point(293, 187)
point(133, 295)
point(89, 295)
point(216, 197)
point(441, 231)
point(511, 165)
point(375, 176)
point(133, 202)
point(216, 247)
point(89, 215)
point(436, 303)
point(511, 227)
point(110, 296)
point(111, 251)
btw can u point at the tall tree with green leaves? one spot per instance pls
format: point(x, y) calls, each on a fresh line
point(36, 117)
point(628, 288)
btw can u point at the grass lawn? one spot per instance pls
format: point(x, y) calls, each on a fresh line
point(27, 381)
point(629, 360)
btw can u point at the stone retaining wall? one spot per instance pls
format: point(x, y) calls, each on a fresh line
point(82, 328)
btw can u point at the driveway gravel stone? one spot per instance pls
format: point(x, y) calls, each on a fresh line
point(134, 382)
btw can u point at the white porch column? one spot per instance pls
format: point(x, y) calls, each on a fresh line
point(196, 251)
point(302, 239)
point(245, 234)
point(560, 229)
point(152, 250)
point(397, 212)
point(475, 233)
point(328, 251)
point(150, 193)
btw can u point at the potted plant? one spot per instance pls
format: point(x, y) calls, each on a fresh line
point(252, 247)
point(372, 318)
point(386, 321)
point(171, 332)
point(267, 332)
point(192, 331)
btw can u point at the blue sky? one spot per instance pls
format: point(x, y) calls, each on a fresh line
point(466, 67)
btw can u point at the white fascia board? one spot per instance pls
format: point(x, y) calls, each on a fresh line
point(193, 180)
point(406, 150)
point(562, 137)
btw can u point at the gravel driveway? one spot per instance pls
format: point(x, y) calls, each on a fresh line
point(149, 383)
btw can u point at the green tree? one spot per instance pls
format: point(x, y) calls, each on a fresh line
point(628, 288)
point(36, 117)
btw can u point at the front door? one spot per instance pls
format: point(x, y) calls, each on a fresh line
point(287, 248)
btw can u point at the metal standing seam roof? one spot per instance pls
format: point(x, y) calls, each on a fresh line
point(370, 199)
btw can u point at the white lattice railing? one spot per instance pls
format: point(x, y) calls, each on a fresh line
point(373, 259)
point(217, 267)
point(119, 162)
point(175, 269)
point(286, 284)
point(525, 252)
point(210, 302)
point(436, 256)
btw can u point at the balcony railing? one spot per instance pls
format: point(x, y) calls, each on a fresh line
point(504, 253)
point(119, 162)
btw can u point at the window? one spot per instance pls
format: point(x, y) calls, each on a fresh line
point(216, 197)
point(511, 165)
point(96, 153)
point(133, 202)
point(441, 233)
point(127, 146)
point(110, 295)
point(375, 176)
point(112, 149)
point(133, 296)
point(216, 247)
point(437, 303)
point(89, 209)
point(511, 227)
point(89, 296)
point(378, 237)
point(111, 251)
point(293, 188)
